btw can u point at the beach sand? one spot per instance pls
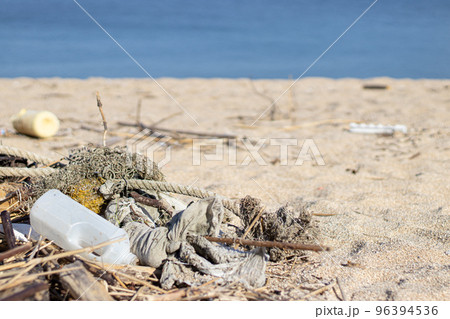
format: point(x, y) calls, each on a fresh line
point(381, 202)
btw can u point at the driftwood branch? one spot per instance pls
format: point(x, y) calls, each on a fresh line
point(269, 244)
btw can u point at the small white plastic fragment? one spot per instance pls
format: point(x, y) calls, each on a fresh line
point(21, 232)
point(377, 128)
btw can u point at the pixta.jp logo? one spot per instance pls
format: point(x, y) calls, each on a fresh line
point(153, 146)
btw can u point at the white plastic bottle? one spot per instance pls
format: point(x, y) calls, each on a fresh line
point(72, 226)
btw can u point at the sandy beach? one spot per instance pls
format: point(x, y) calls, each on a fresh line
point(381, 202)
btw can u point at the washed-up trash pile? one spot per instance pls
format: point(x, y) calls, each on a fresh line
point(107, 209)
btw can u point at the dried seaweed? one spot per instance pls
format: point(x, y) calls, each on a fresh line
point(88, 165)
point(287, 224)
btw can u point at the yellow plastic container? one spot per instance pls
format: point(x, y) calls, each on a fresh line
point(36, 123)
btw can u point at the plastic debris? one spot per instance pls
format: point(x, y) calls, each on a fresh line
point(377, 128)
point(21, 231)
point(72, 226)
point(40, 124)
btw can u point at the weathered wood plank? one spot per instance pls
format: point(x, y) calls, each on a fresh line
point(82, 285)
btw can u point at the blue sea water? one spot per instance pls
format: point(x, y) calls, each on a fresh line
point(233, 38)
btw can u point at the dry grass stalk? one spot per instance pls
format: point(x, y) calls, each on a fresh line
point(31, 277)
point(319, 291)
point(255, 220)
point(57, 256)
point(105, 124)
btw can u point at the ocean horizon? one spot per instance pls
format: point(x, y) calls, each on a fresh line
point(225, 39)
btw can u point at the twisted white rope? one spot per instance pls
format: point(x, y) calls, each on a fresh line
point(25, 171)
point(179, 189)
point(12, 151)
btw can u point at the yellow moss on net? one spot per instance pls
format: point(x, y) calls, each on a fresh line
point(86, 193)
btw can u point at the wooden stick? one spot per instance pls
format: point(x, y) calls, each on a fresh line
point(174, 131)
point(15, 251)
point(105, 124)
point(27, 292)
point(159, 204)
point(123, 289)
point(137, 293)
point(8, 229)
point(118, 280)
point(258, 243)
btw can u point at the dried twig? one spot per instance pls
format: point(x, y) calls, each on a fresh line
point(20, 274)
point(186, 132)
point(138, 281)
point(138, 113)
point(338, 281)
point(159, 204)
point(253, 222)
point(168, 117)
point(293, 103)
point(273, 105)
point(319, 291)
point(137, 293)
point(105, 124)
point(15, 251)
point(258, 243)
point(58, 256)
point(32, 277)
